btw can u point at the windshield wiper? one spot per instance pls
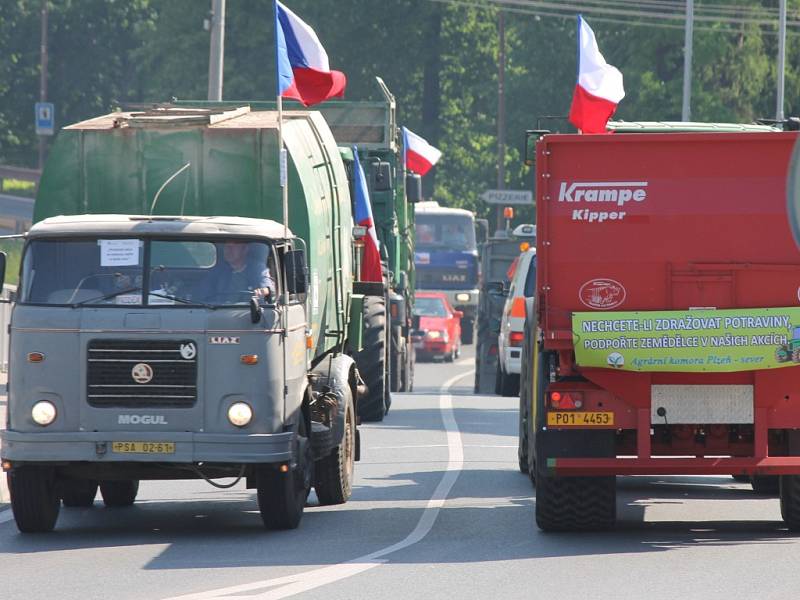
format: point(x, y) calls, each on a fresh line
point(182, 300)
point(106, 296)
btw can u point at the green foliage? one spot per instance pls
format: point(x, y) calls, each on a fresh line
point(438, 58)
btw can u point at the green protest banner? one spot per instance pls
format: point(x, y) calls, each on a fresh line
point(688, 340)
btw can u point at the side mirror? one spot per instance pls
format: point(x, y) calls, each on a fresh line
point(295, 267)
point(458, 314)
point(413, 187)
point(531, 137)
point(2, 270)
point(381, 175)
point(255, 310)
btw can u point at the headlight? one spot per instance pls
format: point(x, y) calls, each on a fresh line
point(43, 413)
point(434, 335)
point(462, 297)
point(240, 414)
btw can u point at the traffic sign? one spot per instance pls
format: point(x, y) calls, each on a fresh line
point(507, 197)
point(45, 118)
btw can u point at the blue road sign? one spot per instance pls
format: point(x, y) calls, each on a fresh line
point(45, 118)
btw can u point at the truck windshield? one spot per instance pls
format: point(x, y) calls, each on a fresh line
point(445, 231)
point(149, 272)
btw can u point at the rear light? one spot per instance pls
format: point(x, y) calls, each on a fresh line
point(515, 339)
point(566, 400)
point(393, 311)
point(493, 350)
point(518, 307)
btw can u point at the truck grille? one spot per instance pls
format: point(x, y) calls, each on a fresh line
point(445, 278)
point(141, 373)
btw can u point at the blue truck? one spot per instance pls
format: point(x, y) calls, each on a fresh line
point(446, 259)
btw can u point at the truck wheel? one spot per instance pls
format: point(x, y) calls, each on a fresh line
point(790, 501)
point(509, 383)
point(34, 498)
point(78, 492)
point(282, 496)
point(408, 374)
point(467, 331)
point(333, 474)
point(371, 360)
point(119, 493)
point(765, 485)
point(575, 503)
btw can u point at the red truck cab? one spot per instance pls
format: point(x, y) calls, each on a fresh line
point(660, 340)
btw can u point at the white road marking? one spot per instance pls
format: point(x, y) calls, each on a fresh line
point(309, 580)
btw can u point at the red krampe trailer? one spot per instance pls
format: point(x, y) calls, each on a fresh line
point(665, 334)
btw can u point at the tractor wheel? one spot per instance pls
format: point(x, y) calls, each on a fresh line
point(467, 331)
point(398, 360)
point(371, 360)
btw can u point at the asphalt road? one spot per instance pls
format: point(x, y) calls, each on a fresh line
point(439, 510)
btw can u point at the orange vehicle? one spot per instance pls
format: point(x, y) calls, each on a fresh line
point(439, 332)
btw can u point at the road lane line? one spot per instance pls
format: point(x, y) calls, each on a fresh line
point(309, 580)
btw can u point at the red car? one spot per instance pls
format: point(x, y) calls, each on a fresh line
point(438, 334)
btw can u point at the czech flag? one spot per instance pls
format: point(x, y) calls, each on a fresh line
point(303, 71)
point(418, 154)
point(371, 261)
point(599, 87)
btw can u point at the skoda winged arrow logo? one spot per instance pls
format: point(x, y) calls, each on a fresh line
point(188, 351)
point(142, 373)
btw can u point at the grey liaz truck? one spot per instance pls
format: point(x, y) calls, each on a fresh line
point(149, 346)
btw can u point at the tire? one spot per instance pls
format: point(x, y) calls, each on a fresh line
point(765, 485)
point(282, 496)
point(34, 498)
point(117, 494)
point(575, 503)
point(790, 501)
point(78, 492)
point(408, 374)
point(333, 474)
point(371, 360)
point(467, 331)
point(509, 384)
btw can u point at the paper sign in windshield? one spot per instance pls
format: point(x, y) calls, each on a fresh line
point(688, 341)
point(119, 253)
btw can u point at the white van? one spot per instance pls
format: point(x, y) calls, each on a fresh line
point(512, 325)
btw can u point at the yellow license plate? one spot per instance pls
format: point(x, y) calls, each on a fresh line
point(585, 419)
point(143, 447)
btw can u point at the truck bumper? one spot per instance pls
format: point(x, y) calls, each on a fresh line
point(189, 447)
point(771, 465)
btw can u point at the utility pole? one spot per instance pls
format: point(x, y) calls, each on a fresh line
point(686, 113)
point(216, 58)
point(781, 59)
point(43, 76)
point(501, 115)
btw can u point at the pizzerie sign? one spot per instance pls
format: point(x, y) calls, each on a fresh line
point(607, 200)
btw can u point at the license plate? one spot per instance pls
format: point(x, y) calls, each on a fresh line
point(586, 419)
point(143, 447)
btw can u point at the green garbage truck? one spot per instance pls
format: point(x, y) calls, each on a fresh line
point(386, 361)
point(148, 344)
